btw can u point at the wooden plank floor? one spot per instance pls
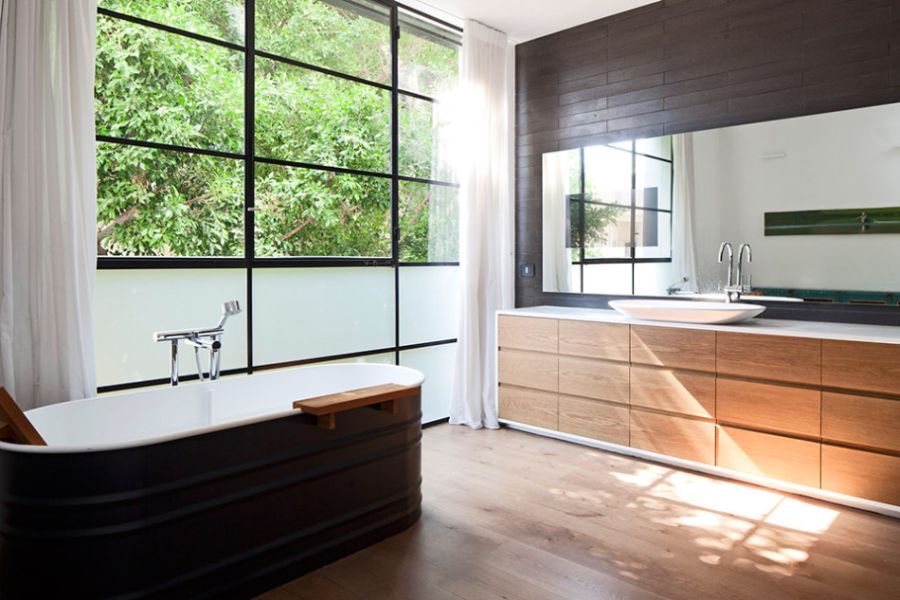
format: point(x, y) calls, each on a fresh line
point(519, 517)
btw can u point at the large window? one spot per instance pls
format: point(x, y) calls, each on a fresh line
point(294, 146)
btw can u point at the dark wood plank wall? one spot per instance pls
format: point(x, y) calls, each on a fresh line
point(685, 65)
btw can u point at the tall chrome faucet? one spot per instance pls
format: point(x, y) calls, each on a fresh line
point(735, 282)
point(209, 339)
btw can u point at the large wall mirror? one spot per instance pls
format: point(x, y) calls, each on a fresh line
point(817, 198)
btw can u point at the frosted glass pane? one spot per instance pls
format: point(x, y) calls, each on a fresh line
point(307, 313)
point(654, 279)
point(607, 279)
point(436, 363)
point(429, 304)
point(131, 305)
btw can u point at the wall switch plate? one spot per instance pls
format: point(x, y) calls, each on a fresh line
point(526, 270)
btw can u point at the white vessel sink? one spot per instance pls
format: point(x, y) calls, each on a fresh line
point(687, 311)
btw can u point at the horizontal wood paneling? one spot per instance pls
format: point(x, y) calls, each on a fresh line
point(775, 456)
point(687, 66)
point(591, 378)
point(861, 474)
point(861, 420)
point(684, 392)
point(594, 340)
point(528, 333)
point(861, 366)
point(675, 436)
point(594, 419)
point(787, 409)
point(533, 407)
point(529, 369)
point(789, 359)
point(690, 349)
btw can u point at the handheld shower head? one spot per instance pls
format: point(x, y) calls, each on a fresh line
point(229, 309)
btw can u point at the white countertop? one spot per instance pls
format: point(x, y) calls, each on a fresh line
point(853, 332)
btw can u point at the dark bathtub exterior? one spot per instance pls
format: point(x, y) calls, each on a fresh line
point(229, 513)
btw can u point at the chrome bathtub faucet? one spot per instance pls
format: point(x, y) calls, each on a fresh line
point(209, 339)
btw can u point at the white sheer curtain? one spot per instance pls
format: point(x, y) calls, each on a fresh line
point(47, 199)
point(486, 221)
point(557, 258)
point(684, 254)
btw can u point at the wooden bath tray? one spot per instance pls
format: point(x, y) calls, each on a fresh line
point(14, 425)
point(326, 407)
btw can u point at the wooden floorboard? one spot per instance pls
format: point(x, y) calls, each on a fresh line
point(513, 516)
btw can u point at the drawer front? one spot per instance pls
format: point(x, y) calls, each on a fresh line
point(594, 419)
point(528, 333)
point(861, 420)
point(529, 369)
point(594, 340)
point(675, 348)
point(788, 359)
point(675, 436)
point(533, 407)
point(861, 474)
point(684, 392)
point(593, 379)
point(861, 366)
point(783, 458)
point(769, 406)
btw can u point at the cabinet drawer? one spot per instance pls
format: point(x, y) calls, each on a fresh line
point(769, 406)
point(789, 359)
point(861, 420)
point(676, 348)
point(593, 379)
point(684, 392)
point(783, 458)
point(675, 436)
point(861, 366)
point(527, 333)
point(529, 406)
point(861, 474)
point(594, 419)
point(594, 340)
point(529, 369)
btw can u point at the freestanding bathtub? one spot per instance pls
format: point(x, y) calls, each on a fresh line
point(205, 490)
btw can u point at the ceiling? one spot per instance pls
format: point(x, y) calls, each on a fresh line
point(524, 20)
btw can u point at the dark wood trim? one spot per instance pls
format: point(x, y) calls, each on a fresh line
point(15, 424)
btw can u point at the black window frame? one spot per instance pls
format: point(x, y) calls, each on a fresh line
point(250, 261)
point(580, 199)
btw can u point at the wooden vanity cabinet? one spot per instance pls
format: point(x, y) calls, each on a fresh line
point(819, 413)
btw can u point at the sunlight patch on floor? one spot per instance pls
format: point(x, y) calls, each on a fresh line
point(802, 516)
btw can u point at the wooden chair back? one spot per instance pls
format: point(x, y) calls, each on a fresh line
point(16, 426)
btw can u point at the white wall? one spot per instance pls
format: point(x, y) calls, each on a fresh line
point(849, 159)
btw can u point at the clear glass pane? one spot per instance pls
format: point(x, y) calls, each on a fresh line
point(307, 212)
point(652, 234)
point(351, 37)
point(220, 19)
point(168, 88)
point(607, 175)
point(654, 279)
point(428, 56)
point(130, 305)
point(436, 363)
point(161, 203)
point(429, 304)
point(607, 279)
point(653, 183)
point(308, 313)
point(305, 116)
point(425, 140)
point(607, 231)
point(429, 223)
point(660, 147)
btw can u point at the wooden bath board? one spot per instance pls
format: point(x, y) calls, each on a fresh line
point(326, 407)
point(16, 426)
